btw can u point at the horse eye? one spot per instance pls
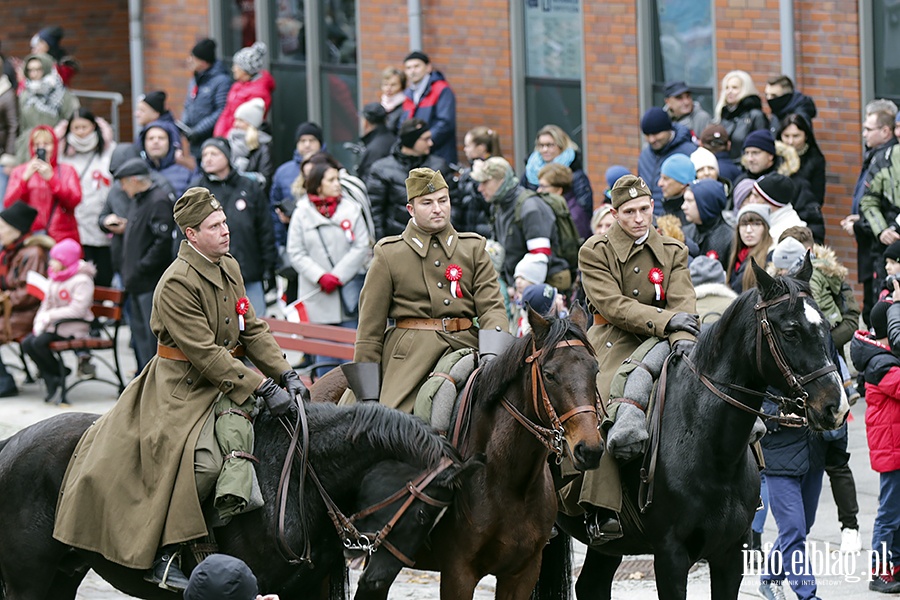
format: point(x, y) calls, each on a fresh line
point(551, 375)
point(791, 335)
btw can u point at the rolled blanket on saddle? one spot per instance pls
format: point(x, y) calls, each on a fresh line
point(436, 400)
point(237, 489)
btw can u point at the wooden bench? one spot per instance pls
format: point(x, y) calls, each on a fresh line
point(326, 342)
point(107, 310)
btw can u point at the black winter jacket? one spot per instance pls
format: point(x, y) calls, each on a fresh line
point(206, 96)
point(716, 237)
point(147, 243)
point(740, 121)
point(471, 213)
point(378, 144)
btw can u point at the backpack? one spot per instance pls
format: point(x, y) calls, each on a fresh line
point(568, 240)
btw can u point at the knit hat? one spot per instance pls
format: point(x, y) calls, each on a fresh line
point(678, 167)
point(251, 112)
point(205, 50)
point(628, 187)
point(612, 175)
point(714, 135)
point(67, 251)
point(155, 100)
point(309, 128)
point(131, 168)
point(194, 206)
point(532, 268)
point(706, 269)
point(893, 251)
point(221, 144)
point(19, 216)
point(740, 192)
point(878, 318)
point(410, 132)
point(423, 181)
point(655, 120)
point(760, 210)
point(495, 167)
point(701, 157)
point(251, 59)
point(675, 88)
point(762, 139)
point(374, 113)
point(539, 297)
point(776, 189)
point(222, 577)
point(710, 197)
point(52, 35)
point(417, 55)
point(788, 253)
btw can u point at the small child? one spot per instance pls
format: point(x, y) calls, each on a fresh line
point(70, 295)
point(892, 267)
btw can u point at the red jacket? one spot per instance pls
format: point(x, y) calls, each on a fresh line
point(63, 190)
point(240, 92)
point(883, 422)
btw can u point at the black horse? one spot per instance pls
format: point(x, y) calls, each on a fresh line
point(346, 444)
point(706, 485)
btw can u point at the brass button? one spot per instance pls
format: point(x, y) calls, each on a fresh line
point(446, 302)
point(634, 292)
point(434, 245)
point(190, 381)
point(637, 269)
point(227, 320)
point(437, 263)
point(440, 284)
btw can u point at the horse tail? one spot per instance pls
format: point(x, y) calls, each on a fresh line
point(338, 581)
point(555, 580)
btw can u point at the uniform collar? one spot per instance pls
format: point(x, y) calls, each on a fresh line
point(418, 240)
point(211, 271)
point(623, 244)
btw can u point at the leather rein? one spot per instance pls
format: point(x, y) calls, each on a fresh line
point(350, 536)
point(794, 404)
point(553, 438)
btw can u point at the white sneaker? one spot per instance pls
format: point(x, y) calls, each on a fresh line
point(771, 591)
point(850, 542)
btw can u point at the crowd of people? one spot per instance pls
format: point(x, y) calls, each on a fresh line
point(725, 189)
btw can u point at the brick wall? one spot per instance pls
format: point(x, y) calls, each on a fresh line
point(96, 34)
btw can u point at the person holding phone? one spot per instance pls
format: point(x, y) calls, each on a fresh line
point(53, 189)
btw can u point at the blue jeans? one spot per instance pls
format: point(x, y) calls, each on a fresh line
point(793, 501)
point(141, 335)
point(759, 519)
point(886, 529)
point(256, 296)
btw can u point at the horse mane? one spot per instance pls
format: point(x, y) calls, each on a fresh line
point(498, 374)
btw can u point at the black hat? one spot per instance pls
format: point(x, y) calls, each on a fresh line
point(156, 100)
point(52, 35)
point(893, 251)
point(309, 128)
point(205, 50)
point(655, 120)
point(410, 132)
point(221, 144)
point(879, 320)
point(19, 216)
point(762, 139)
point(132, 167)
point(676, 88)
point(222, 577)
point(776, 189)
point(417, 55)
point(374, 113)
point(122, 153)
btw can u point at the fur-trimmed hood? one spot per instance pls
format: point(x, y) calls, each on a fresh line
point(714, 289)
point(825, 260)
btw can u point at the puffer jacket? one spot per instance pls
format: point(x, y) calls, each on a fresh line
point(792, 451)
point(69, 299)
point(387, 188)
point(206, 97)
point(826, 283)
point(882, 374)
point(746, 117)
point(261, 86)
point(178, 176)
point(437, 107)
point(650, 161)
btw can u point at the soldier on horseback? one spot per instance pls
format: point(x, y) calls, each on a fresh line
point(638, 286)
point(139, 474)
point(438, 291)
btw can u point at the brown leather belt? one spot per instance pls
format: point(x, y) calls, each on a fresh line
point(600, 319)
point(447, 324)
point(176, 354)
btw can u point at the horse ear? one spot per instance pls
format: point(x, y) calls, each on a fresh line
point(805, 271)
point(539, 325)
point(764, 281)
point(579, 316)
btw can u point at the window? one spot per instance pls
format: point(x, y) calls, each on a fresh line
point(682, 48)
point(339, 78)
point(287, 36)
point(553, 67)
point(238, 27)
point(886, 50)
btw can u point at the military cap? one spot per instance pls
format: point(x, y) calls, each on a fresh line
point(194, 206)
point(628, 187)
point(424, 181)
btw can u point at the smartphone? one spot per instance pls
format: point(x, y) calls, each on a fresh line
point(41, 154)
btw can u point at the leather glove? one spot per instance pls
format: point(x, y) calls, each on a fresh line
point(684, 322)
point(329, 283)
point(291, 382)
point(628, 435)
point(277, 400)
point(683, 347)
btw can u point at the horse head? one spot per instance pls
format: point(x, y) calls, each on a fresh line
point(793, 347)
point(563, 383)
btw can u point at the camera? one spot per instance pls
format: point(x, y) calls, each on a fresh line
point(41, 154)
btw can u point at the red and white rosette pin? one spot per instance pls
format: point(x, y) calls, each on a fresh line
point(453, 275)
point(242, 306)
point(348, 230)
point(713, 254)
point(656, 277)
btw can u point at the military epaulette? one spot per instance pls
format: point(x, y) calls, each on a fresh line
point(670, 241)
point(389, 239)
point(469, 235)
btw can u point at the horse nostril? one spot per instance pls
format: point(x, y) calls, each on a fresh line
point(587, 455)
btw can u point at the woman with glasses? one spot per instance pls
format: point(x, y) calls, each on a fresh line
point(553, 145)
point(751, 240)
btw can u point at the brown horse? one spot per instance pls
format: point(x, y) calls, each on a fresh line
point(536, 397)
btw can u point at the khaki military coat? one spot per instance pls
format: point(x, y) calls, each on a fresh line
point(407, 279)
point(130, 485)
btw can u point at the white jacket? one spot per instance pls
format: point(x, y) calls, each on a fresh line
point(93, 172)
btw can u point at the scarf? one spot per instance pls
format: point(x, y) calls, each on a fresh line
point(325, 206)
point(83, 145)
point(240, 151)
point(66, 273)
point(741, 257)
point(536, 163)
point(391, 102)
point(45, 94)
point(510, 183)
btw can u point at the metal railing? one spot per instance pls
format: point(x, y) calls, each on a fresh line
point(114, 98)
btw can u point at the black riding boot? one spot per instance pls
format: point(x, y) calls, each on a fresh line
point(166, 570)
point(602, 526)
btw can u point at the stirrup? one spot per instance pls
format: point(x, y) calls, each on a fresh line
point(165, 573)
point(599, 532)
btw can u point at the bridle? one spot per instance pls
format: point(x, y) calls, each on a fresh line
point(795, 404)
point(351, 537)
point(553, 437)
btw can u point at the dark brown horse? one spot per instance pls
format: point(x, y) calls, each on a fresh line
point(536, 396)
